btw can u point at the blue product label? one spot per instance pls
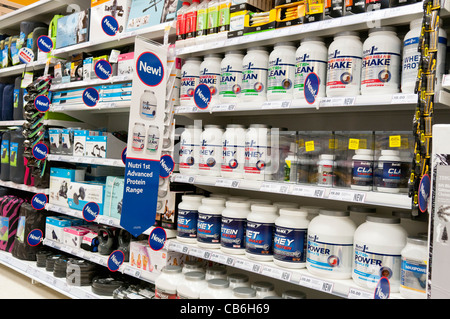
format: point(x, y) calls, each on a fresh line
point(289, 244)
point(259, 238)
point(362, 173)
point(187, 223)
point(208, 228)
point(233, 232)
point(413, 275)
point(391, 175)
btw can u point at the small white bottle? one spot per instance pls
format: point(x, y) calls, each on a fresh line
point(194, 283)
point(217, 289)
point(190, 150)
point(389, 172)
point(234, 220)
point(413, 277)
point(330, 245)
point(210, 222)
point(210, 75)
point(254, 75)
point(233, 141)
point(187, 218)
point(280, 77)
point(291, 230)
point(325, 170)
point(230, 86)
point(210, 158)
point(166, 283)
point(362, 170)
point(190, 78)
point(263, 289)
point(259, 233)
point(238, 280)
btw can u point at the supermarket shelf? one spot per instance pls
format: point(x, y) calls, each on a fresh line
point(77, 84)
point(19, 68)
point(86, 160)
point(61, 123)
point(29, 269)
point(342, 288)
point(102, 260)
point(23, 187)
point(401, 201)
point(101, 107)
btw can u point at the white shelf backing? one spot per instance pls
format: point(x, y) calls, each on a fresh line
point(86, 160)
point(342, 288)
point(29, 269)
point(401, 201)
point(24, 187)
point(77, 84)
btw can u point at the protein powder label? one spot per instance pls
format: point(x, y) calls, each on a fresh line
point(232, 156)
point(259, 238)
point(253, 78)
point(362, 173)
point(230, 82)
point(187, 223)
point(389, 174)
point(279, 77)
point(208, 228)
point(370, 266)
point(233, 232)
point(289, 244)
point(208, 156)
point(331, 257)
point(413, 275)
point(188, 84)
point(255, 157)
point(164, 294)
point(304, 66)
point(210, 79)
point(380, 68)
point(343, 71)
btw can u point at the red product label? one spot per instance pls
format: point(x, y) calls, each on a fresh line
point(191, 24)
point(181, 27)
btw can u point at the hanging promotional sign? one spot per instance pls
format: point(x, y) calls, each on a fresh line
point(142, 165)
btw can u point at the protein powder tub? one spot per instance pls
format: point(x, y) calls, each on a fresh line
point(293, 294)
point(193, 284)
point(413, 278)
point(190, 77)
point(280, 80)
point(359, 213)
point(244, 293)
point(210, 158)
point(231, 77)
point(210, 75)
point(289, 243)
point(234, 221)
point(381, 62)
point(233, 141)
point(263, 289)
point(259, 233)
point(190, 150)
point(254, 75)
point(377, 252)
point(344, 65)
point(313, 211)
point(216, 272)
point(192, 266)
point(167, 282)
point(362, 169)
point(238, 280)
point(138, 143)
point(411, 57)
point(257, 152)
point(217, 289)
point(187, 218)
point(152, 139)
point(209, 222)
point(310, 57)
point(148, 105)
point(389, 173)
point(281, 205)
point(330, 245)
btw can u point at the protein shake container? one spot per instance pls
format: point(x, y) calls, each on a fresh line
point(413, 277)
point(234, 222)
point(210, 75)
point(194, 283)
point(190, 150)
point(210, 222)
point(254, 75)
point(233, 141)
point(210, 158)
point(280, 78)
point(190, 77)
point(230, 86)
point(166, 283)
point(187, 218)
point(257, 152)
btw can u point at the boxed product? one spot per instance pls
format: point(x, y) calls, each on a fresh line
point(314, 10)
point(54, 227)
point(90, 241)
point(237, 18)
point(96, 146)
point(113, 196)
point(290, 14)
point(263, 5)
point(81, 193)
point(67, 141)
point(116, 92)
point(73, 235)
point(108, 19)
point(72, 29)
point(60, 179)
point(125, 64)
point(146, 14)
point(55, 140)
point(87, 68)
point(256, 22)
point(79, 142)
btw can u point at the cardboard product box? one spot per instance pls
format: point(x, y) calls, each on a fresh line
point(73, 236)
point(237, 18)
point(291, 14)
point(81, 193)
point(96, 146)
point(94, 60)
point(60, 179)
point(67, 141)
point(55, 140)
point(314, 10)
point(101, 28)
point(54, 227)
point(145, 14)
point(262, 5)
point(125, 64)
point(87, 68)
point(260, 22)
point(73, 29)
point(113, 196)
point(79, 142)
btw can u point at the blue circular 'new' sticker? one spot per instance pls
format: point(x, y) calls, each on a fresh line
point(150, 69)
point(110, 25)
point(42, 103)
point(103, 69)
point(167, 165)
point(383, 289)
point(424, 192)
point(39, 201)
point(90, 97)
point(40, 151)
point(124, 156)
point(115, 260)
point(202, 96)
point(90, 211)
point(311, 87)
point(157, 238)
point(45, 44)
point(35, 237)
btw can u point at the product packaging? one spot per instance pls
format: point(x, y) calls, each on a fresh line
point(60, 179)
point(73, 29)
point(108, 19)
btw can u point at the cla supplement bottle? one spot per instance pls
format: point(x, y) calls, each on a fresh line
point(257, 152)
point(280, 81)
point(233, 141)
point(230, 86)
point(210, 75)
point(381, 62)
point(190, 150)
point(289, 243)
point(209, 222)
point(187, 218)
point(390, 174)
point(193, 284)
point(362, 169)
point(254, 75)
point(378, 244)
point(344, 65)
point(234, 220)
point(190, 77)
point(330, 245)
point(310, 57)
point(210, 158)
point(259, 233)
point(166, 283)
point(413, 276)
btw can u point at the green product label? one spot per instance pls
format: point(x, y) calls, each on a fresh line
point(5, 152)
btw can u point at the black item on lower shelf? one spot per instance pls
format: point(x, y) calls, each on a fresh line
point(60, 267)
point(41, 258)
point(80, 272)
point(50, 261)
point(105, 286)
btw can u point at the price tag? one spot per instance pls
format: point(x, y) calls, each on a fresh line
point(132, 272)
point(196, 252)
point(317, 284)
point(309, 146)
point(271, 187)
point(400, 98)
point(276, 273)
point(183, 178)
point(229, 183)
point(308, 191)
point(248, 265)
point(353, 144)
point(337, 101)
point(395, 141)
point(276, 104)
point(347, 196)
point(224, 107)
point(354, 293)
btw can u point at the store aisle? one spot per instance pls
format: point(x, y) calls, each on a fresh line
point(16, 286)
